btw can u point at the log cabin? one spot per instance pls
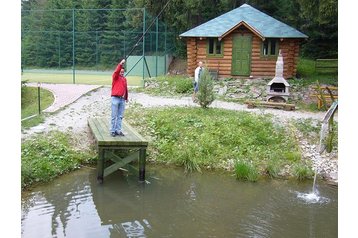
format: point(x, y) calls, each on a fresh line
point(243, 42)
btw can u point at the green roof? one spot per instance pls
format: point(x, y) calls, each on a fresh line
point(263, 24)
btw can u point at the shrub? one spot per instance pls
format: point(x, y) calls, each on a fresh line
point(272, 169)
point(190, 164)
point(246, 171)
point(302, 172)
point(206, 86)
point(292, 155)
point(183, 85)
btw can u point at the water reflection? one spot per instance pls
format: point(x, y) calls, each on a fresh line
point(173, 204)
point(62, 209)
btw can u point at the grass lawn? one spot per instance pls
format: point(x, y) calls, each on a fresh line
point(306, 70)
point(80, 78)
point(198, 139)
point(29, 100)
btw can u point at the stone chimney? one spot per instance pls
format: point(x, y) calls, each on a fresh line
point(278, 87)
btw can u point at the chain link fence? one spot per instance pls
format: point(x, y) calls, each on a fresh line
point(83, 41)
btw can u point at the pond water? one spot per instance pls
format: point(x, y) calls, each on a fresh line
point(174, 204)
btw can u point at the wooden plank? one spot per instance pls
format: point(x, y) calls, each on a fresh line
point(131, 138)
point(116, 166)
point(285, 106)
point(326, 65)
point(115, 158)
point(94, 129)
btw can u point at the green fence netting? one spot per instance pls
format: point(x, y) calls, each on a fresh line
point(95, 40)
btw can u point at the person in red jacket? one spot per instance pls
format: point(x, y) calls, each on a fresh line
point(119, 95)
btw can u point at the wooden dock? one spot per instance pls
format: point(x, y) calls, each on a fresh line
point(110, 147)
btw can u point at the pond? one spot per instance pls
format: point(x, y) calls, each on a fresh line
point(174, 204)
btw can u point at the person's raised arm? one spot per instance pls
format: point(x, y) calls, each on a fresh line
point(119, 67)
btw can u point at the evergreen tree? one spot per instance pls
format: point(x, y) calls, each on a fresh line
point(87, 35)
point(320, 22)
point(112, 44)
point(206, 86)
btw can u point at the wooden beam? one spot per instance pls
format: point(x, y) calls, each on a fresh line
point(120, 163)
point(278, 105)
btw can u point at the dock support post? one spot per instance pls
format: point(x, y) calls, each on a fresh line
point(100, 165)
point(142, 153)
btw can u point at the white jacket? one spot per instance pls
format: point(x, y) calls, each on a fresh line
point(196, 73)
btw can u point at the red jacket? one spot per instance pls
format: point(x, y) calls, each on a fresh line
point(119, 84)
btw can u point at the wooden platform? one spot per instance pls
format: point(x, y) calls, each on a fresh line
point(109, 147)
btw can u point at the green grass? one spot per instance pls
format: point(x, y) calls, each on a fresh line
point(33, 121)
point(306, 71)
point(29, 100)
point(169, 85)
point(273, 169)
point(206, 139)
point(44, 157)
point(244, 170)
point(302, 171)
point(29, 105)
point(67, 78)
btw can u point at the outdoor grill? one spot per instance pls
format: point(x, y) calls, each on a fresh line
point(278, 87)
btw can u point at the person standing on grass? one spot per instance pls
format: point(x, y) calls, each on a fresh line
point(119, 95)
point(198, 72)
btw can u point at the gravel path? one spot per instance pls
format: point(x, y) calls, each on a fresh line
point(73, 118)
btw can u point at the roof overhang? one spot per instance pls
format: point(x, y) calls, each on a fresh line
point(243, 23)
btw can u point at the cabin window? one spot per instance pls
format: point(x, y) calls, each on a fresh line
point(270, 47)
point(214, 47)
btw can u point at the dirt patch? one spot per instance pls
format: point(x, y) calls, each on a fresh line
point(178, 66)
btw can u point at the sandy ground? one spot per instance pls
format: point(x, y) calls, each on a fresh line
point(73, 118)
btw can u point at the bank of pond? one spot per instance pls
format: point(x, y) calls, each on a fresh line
point(250, 146)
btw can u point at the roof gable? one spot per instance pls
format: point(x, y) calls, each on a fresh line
point(262, 24)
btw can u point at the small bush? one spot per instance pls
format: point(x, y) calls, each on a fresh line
point(272, 170)
point(246, 171)
point(206, 86)
point(190, 164)
point(302, 172)
point(292, 155)
point(183, 85)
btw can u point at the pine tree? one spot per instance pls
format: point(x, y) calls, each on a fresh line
point(206, 85)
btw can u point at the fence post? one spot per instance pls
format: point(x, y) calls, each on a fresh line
point(165, 49)
point(38, 97)
point(156, 49)
point(97, 50)
point(143, 45)
point(59, 49)
point(73, 46)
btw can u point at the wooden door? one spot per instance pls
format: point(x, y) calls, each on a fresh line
point(241, 55)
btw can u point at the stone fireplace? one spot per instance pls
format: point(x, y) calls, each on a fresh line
point(278, 87)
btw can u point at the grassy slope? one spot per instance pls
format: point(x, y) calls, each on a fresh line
point(214, 138)
point(29, 100)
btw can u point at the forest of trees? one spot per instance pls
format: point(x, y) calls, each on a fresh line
point(104, 36)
